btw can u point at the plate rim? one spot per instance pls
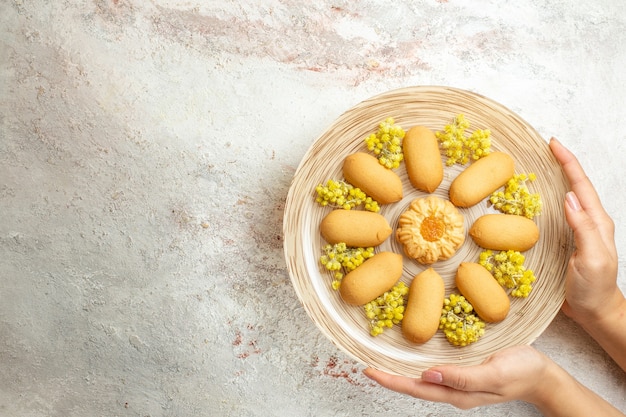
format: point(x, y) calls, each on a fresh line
point(291, 255)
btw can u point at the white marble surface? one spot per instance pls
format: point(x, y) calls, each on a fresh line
point(146, 150)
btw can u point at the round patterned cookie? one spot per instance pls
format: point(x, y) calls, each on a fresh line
point(431, 229)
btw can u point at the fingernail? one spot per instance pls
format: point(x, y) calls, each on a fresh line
point(554, 142)
point(572, 201)
point(434, 377)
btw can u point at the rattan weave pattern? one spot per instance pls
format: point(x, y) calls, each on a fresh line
point(434, 107)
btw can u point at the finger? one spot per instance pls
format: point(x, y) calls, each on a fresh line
point(576, 176)
point(420, 388)
point(585, 194)
point(477, 378)
point(401, 384)
point(587, 235)
point(440, 389)
point(467, 378)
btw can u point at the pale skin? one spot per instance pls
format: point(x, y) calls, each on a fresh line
point(592, 299)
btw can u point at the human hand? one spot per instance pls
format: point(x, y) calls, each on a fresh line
point(515, 373)
point(521, 372)
point(591, 279)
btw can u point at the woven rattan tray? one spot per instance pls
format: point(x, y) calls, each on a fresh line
point(433, 107)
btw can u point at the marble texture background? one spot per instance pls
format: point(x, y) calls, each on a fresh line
point(146, 149)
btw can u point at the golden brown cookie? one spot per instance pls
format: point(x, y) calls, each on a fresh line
point(431, 229)
point(422, 159)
